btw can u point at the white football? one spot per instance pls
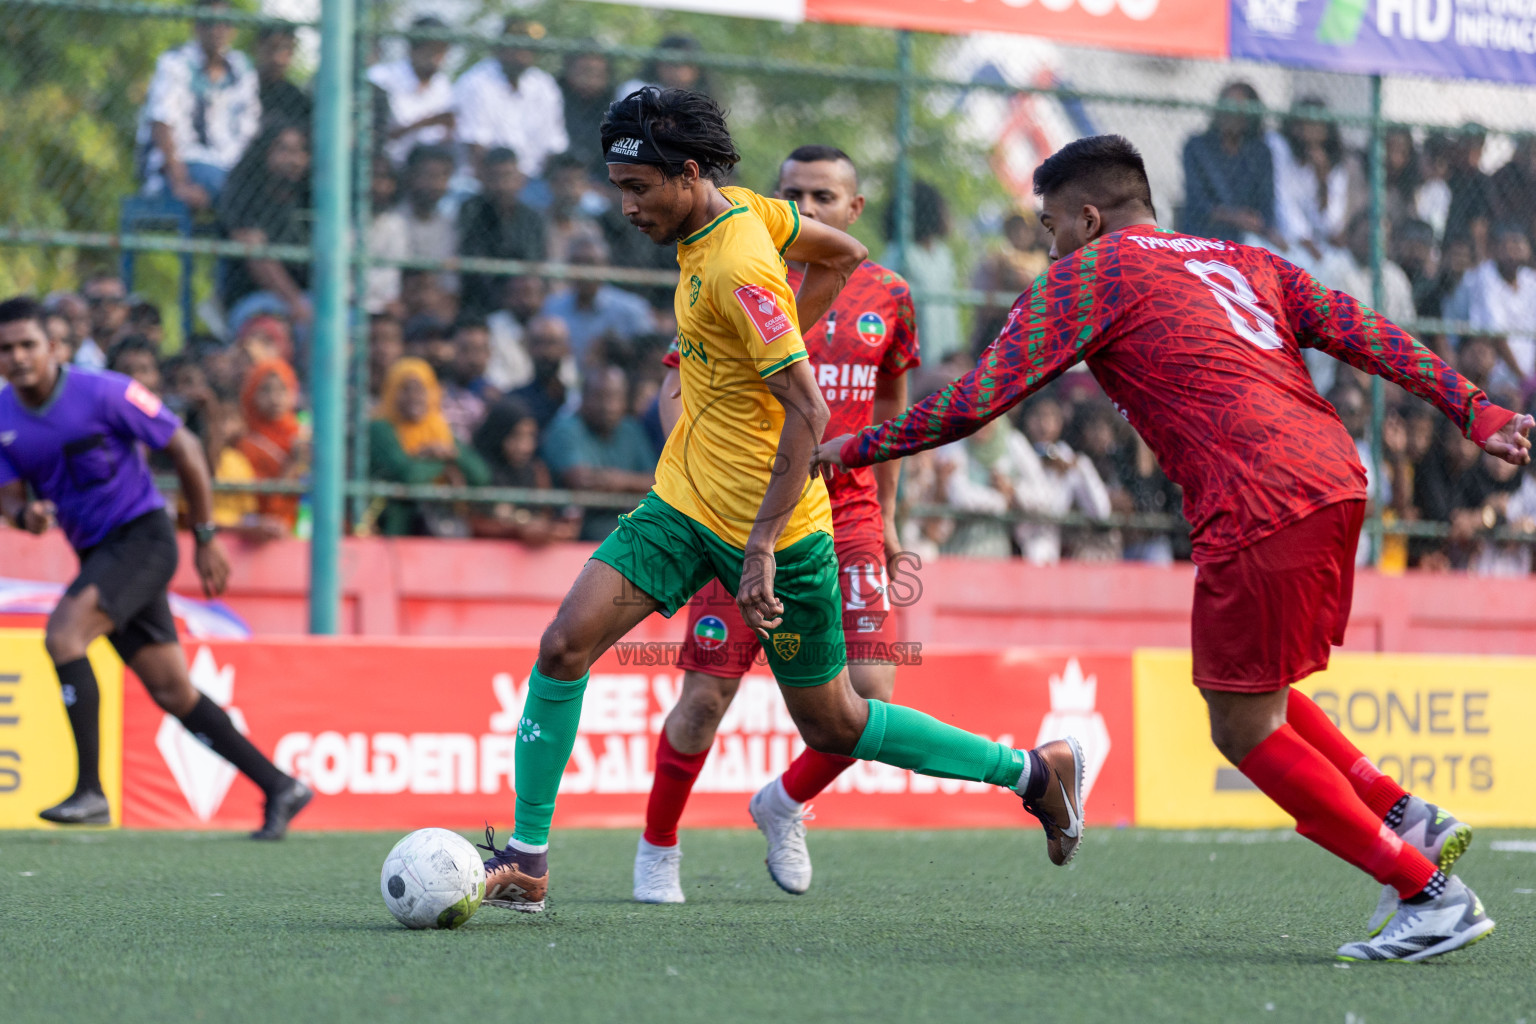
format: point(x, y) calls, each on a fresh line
point(433, 878)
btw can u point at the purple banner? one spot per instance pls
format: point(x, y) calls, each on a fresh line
point(1492, 39)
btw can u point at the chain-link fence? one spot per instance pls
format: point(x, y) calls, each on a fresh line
point(157, 191)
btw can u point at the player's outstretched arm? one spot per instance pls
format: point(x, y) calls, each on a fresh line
point(186, 454)
point(830, 257)
point(1347, 329)
point(805, 417)
point(1036, 346)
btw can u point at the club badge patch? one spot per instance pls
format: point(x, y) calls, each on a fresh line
point(762, 308)
point(786, 645)
point(710, 632)
point(871, 328)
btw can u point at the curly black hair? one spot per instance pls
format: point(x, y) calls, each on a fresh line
point(675, 121)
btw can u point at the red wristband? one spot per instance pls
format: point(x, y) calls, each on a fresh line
point(1489, 422)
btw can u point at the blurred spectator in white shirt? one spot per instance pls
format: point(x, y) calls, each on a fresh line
point(1503, 298)
point(202, 110)
point(420, 95)
point(1070, 481)
point(432, 232)
point(1318, 186)
point(505, 101)
point(993, 470)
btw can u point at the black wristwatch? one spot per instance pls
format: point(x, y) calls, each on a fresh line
point(204, 532)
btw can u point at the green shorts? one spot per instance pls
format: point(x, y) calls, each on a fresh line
point(670, 557)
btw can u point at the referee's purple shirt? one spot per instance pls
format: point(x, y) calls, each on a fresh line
point(80, 450)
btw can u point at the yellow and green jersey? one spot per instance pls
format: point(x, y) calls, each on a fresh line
point(736, 325)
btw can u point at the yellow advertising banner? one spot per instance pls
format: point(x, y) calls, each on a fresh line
point(1454, 729)
point(37, 750)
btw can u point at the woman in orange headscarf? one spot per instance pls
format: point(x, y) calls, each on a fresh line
point(274, 443)
point(411, 443)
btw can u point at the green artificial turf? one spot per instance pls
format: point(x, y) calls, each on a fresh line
point(965, 926)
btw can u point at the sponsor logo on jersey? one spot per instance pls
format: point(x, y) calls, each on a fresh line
point(871, 328)
point(710, 632)
point(786, 645)
point(694, 284)
point(762, 308)
point(625, 147)
point(143, 399)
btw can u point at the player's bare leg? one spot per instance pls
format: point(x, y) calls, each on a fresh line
point(600, 608)
point(163, 670)
point(1437, 913)
point(75, 623)
point(686, 738)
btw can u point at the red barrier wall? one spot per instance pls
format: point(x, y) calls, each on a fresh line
point(493, 589)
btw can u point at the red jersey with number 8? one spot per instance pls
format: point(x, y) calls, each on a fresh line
point(1198, 343)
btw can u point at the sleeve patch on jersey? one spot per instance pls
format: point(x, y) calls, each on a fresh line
point(763, 310)
point(143, 399)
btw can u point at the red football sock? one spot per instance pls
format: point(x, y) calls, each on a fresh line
point(675, 775)
point(1380, 792)
point(812, 772)
point(1327, 811)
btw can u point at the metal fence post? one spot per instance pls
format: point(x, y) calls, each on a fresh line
point(903, 176)
point(328, 353)
point(362, 217)
point(1378, 208)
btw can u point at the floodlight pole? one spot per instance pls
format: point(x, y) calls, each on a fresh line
point(328, 350)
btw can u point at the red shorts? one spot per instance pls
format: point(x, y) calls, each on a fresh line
point(718, 642)
point(1268, 616)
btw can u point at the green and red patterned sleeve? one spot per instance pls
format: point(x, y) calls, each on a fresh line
point(1058, 322)
point(1347, 329)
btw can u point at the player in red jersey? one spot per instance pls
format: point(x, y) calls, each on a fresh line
point(1198, 342)
point(860, 353)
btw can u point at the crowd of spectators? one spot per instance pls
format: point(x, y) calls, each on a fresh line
point(519, 381)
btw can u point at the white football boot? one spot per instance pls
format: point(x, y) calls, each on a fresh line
point(1435, 833)
point(657, 873)
point(783, 820)
point(1418, 931)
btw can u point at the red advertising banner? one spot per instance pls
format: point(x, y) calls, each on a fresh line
point(406, 734)
point(1180, 28)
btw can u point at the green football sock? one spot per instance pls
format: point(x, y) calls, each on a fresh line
point(910, 739)
point(546, 733)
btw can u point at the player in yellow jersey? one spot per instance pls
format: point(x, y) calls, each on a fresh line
point(735, 498)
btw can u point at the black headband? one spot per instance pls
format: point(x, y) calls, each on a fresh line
point(635, 149)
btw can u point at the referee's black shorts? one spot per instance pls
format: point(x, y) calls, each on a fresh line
point(132, 569)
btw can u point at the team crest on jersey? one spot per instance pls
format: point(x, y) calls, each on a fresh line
point(871, 328)
point(762, 308)
point(710, 633)
point(786, 645)
point(694, 284)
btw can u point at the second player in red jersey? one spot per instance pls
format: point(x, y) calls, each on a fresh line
point(860, 353)
point(1198, 342)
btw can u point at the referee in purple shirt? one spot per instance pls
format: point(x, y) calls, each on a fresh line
point(74, 435)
